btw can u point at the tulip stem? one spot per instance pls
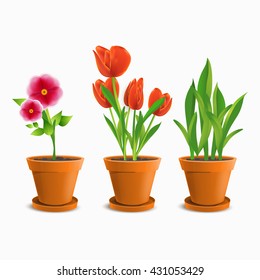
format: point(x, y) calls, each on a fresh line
point(115, 126)
point(124, 135)
point(115, 93)
point(133, 135)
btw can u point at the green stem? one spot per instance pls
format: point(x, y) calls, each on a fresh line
point(191, 153)
point(206, 151)
point(53, 134)
point(125, 135)
point(54, 144)
point(142, 142)
point(114, 123)
point(115, 93)
point(133, 135)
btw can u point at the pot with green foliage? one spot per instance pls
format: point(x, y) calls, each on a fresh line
point(208, 175)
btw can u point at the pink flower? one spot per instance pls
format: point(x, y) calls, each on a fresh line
point(45, 89)
point(31, 110)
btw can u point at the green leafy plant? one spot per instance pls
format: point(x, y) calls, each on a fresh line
point(213, 114)
point(43, 91)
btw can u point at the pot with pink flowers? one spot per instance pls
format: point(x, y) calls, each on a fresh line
point(132, 174)
point(54, 175)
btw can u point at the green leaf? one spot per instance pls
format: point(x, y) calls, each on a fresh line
point(111, 99)
point(110, 124)
point(19, 101)
point(183, 130)
point(190, 104)
point(142, 130)
point(47, 128)
point(218, 132)
point(232, 114)
point(130, 138)
point(30, 125)
point(206, 127)
point(57, 118)
point(139, 125)
point(121, 123)
point(218, 101)
point(205, 80)
point(231, 135)
point(35, 124)
point(223, 113)
point(65, 120)
point(44, 116)
point(150, 133)
point(38, 132)
point(155, 106)
point(192, 132)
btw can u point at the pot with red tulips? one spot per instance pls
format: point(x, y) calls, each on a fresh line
point(132, 174)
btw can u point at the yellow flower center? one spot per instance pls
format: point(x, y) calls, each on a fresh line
point(31, 111)
point(44, 91)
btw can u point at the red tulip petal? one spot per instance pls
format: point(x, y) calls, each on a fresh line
point(165, 107)
point(154, 96)
point(99, 96)
point(101, 52)
point(103, 69)
point(120, 60)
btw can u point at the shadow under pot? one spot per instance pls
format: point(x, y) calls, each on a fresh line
point(207, 182)
point(55, 182)
point(132, 182)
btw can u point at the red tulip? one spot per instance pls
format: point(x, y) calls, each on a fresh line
point(134, 97)
point(45, 89)
point(157, 94)
point(98, 92)
point(31, 110)
point(113, 62)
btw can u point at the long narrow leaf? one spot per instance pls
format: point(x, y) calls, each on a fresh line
point(192, 132)
point(155, 106)
point(205, 80)
point(232, 114)
point(218, 132)
point(150, 133)
point(111, 99)
point(190, 104)
point(139, 125)
point(218, 101)
point(110, 124)
point(231, 135)
point(184, 131)
point(206, 128)
point(223, 113)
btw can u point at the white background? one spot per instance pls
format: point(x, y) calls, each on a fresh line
point(169, 42)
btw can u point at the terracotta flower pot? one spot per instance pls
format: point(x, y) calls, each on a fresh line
point(207, 182)
point(55, 181)
point(132, 182)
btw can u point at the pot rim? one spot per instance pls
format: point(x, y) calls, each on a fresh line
point(117, 158)
point(224, 159)
point(38, 158)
